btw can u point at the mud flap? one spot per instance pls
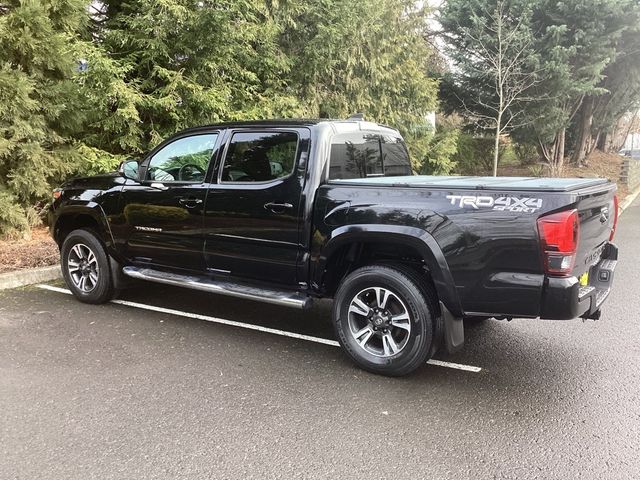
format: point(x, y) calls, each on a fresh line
point(120, 281)
point(453, 330)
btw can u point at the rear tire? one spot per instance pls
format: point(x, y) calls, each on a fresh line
point(85, 267)
point(384, 320)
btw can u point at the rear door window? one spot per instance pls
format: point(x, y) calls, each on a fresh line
point(259, 156)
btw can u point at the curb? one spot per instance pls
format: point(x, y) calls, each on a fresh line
point(629, 199)
point(20, 278)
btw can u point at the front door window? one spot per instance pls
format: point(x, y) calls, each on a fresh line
point(184, 160)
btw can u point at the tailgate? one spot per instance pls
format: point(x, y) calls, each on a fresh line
point(597, 215)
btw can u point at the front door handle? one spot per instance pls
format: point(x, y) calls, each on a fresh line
point(277, 207)
point(189, 202)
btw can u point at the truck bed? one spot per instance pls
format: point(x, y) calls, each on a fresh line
point(482, 183)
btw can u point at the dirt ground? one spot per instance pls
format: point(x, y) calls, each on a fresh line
point(606, 165)
point(41, 250)
point(599, 164)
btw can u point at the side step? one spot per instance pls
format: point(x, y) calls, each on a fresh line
point(240, 290)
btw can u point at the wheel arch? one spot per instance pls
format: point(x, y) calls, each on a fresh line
point(81, 216)
point(412, 241)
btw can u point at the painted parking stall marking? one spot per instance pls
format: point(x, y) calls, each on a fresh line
point(248, 326)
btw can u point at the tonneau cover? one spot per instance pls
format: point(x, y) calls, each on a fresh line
point(482, 183)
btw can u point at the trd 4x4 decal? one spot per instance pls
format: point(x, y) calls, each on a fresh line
point(507, 204)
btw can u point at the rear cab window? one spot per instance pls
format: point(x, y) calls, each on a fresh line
point(362, 154)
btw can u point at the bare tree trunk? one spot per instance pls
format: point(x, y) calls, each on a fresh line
point(496, 148)
point(593, 143)
point(616, 146)
point(607, 142)
point(554, 154)
point(602, 139)
point(559, 152)
point(584, 132)
point(542, 151)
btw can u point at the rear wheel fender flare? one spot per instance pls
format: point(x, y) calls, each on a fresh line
point(417, 238)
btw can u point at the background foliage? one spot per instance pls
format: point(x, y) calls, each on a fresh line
point(584, 55)
point(84, 84)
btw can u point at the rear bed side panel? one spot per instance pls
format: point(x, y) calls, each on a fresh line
point(495, 261)
point(493, 254)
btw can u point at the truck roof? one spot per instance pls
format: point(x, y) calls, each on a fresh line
point(484, 183)
point(287, 122)
point(271, 122)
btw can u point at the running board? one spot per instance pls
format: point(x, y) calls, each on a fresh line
point(240, 290)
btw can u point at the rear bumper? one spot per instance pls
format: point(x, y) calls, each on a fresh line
point(564, 298)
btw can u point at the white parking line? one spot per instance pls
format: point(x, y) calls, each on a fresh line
point(275, 331)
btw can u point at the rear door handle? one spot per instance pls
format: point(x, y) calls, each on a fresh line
point(277, 207)
point(189, 202)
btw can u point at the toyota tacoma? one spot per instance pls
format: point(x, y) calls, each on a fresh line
point(288, 211)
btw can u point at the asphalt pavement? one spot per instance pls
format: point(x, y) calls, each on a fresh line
point(119, 392)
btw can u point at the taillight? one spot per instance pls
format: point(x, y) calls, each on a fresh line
point(559, 239)
point(615, 217)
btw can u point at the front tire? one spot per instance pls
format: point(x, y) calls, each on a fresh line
point(85, 267)
point(384, 320)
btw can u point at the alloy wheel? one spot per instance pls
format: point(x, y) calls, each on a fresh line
point(379, 321)
point(82, 266)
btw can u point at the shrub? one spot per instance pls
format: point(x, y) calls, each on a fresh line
point(13, 218)
point(94, 161)
point(526, 153)
point(474, 155)
point(433, 154)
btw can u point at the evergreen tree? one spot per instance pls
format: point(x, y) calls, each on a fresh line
point(369, 56)
point(496, 64)
point(188, 63)
point(619, 92)
point(38, 103)
point(82, 85)
point(579, 39)
point(573, 44)
point(195, 62)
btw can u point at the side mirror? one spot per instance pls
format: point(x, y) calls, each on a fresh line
point(129, 169)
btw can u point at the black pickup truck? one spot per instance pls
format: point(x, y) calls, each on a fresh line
point(288, 211)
